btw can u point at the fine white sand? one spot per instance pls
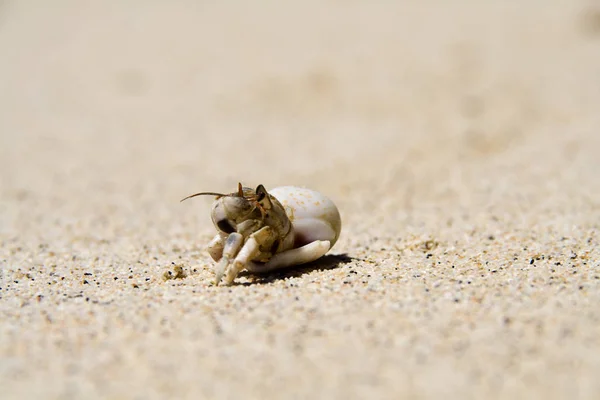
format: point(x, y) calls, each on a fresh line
point(460, 140)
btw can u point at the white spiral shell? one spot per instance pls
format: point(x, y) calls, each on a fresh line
point(313, 215)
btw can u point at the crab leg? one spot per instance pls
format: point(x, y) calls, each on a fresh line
point(300, 255)
point(233, 243)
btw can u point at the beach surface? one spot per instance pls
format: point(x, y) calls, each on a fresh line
point(460, 141)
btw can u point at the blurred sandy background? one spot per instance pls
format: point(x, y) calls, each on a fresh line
point(459, 139)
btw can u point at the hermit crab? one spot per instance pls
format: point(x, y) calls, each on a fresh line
point(261, 231)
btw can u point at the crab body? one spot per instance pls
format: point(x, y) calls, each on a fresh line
point(262, 231)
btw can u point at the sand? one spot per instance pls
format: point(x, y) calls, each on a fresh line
point(459, 140)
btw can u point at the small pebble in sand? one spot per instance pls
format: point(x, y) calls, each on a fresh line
point(177, 273)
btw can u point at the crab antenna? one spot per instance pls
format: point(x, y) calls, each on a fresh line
point(240, 190)
point(203, 194)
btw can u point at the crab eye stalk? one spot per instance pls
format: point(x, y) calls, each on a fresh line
point(261, 193)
